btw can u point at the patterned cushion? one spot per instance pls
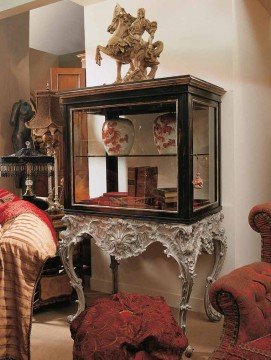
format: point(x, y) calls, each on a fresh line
point(26, 242)
point(7, 196)
point(127, 326)
point(11, 207)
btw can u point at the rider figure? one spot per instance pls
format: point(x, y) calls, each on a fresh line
point(137, 29)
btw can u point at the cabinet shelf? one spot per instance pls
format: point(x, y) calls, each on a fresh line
point(124, 156)
point(202, 154)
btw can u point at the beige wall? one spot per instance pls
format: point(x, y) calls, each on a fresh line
point(10, 8)
point(40, 63)
point(227, 43)
point(70, 60)
point(14, 75)
point(252, 109)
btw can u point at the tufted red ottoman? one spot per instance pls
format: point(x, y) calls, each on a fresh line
point(126, 327)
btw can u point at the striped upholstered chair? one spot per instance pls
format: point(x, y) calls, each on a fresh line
point(27, 239)
point(244, 298)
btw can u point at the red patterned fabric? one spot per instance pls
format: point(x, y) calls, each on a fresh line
point(260, 221)
point(12, 206)
point(259, 349)
point(127, 326)
point(261, 346)
point(250, 287)
point(7, 196)
point(244, 298)
point(26, 242)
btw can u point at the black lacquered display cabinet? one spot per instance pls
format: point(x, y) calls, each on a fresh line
point(146, 150)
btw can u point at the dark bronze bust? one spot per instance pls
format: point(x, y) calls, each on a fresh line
point(20, 113)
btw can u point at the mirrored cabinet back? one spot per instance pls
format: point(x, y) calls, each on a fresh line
point(146, 150)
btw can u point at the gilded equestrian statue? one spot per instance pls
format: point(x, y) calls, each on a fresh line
point(127, 46)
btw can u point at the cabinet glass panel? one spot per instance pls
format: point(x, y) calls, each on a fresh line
point(125, 156)
point(204, 155)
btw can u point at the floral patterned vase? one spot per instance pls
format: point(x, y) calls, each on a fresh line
point(164, 131)
point(118, 136)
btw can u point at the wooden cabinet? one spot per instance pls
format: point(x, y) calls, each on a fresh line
point(172, 169)
point(67, 78)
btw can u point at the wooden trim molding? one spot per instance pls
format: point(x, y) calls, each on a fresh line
point(145, 84)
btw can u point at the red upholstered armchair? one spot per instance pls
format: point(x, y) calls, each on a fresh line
point(244, 298)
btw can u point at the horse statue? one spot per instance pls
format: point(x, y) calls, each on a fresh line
point(126, 45)
point(21, 113)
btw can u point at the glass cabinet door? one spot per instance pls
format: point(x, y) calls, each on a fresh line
point(205, 152)
point(125, 156)
point(145, 150)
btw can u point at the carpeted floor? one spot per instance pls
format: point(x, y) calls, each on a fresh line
point(51, 336)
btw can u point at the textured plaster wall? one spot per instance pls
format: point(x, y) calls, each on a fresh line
point(14, 75)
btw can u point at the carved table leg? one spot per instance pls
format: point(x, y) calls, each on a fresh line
point(220, 253)
point(188, 282)
point(66, 253)
point(114, 267)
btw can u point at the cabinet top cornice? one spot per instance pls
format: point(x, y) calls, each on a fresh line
point(142, 85)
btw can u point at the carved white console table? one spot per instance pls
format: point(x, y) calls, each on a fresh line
point(124, 238)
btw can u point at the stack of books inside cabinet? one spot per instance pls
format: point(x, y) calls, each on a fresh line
point(142, 186)
point(142, 192)
point(168, 198)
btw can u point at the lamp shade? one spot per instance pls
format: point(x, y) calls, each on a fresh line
point(26, 160)
point(48, 113)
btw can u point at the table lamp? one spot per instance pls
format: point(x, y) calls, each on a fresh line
point(27, 162)
point(45, 126)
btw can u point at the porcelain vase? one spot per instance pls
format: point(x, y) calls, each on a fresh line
point(118, 136)
point(164, 132)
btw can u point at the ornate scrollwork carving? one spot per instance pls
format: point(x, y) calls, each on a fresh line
point(124, 238)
